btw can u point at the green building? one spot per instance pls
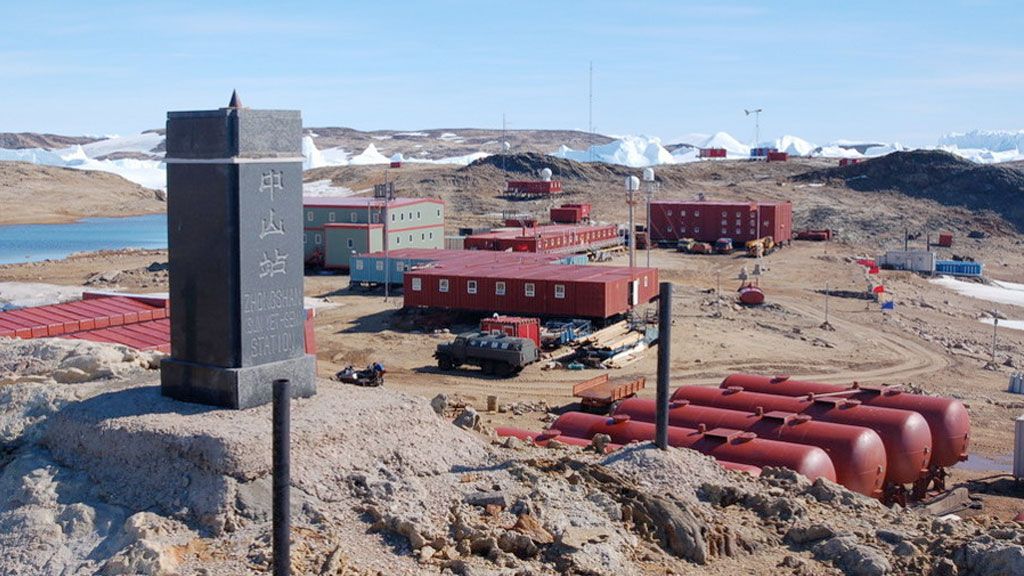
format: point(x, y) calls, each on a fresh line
point(335, 228)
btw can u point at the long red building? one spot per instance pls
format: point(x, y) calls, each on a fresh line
point(707, 221)
point(532, 290)
point(549, 238)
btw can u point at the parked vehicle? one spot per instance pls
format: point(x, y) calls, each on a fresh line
point(599, 393)
point(685, 244)
point(373, 375)
point(760, 247)
point(724, 246)
point(701, 248)
point(498, 354)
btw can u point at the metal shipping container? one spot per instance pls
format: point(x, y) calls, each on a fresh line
point(707, 221)
point(913, 260)
point(958, 268)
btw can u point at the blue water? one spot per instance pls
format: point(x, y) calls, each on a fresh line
point(34, 242)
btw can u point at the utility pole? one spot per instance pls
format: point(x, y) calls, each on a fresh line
point(995, 331)
point(632, 186)
point(826, 302)
point(590, 111)
point(718, 293)
point(649, 186)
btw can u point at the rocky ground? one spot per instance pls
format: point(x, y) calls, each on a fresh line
point(385, 483)
point(35, 194)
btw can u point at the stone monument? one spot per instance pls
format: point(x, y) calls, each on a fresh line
point(234, 231)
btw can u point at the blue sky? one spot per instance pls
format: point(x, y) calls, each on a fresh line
point(907, 71)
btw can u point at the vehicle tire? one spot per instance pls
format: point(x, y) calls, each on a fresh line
point(505, 370)
point(445, 364)
point(487, 366)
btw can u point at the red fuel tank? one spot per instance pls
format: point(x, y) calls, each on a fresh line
point(947, 417)
point(541, 439)
point(907, 439)
point(857, 453)
point(721, 443)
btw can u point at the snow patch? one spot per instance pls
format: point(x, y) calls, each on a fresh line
point(997, 291)
point(1011, 324)
point(25, 294)
point(325, 188)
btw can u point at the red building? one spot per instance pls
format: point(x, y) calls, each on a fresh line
point(552, 238)
point(707, 221)
point(712, 152)
point(532, 290)
point(570, 214)
point(533, 187)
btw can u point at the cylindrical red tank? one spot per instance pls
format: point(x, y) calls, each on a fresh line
point(724, 444)
point(907, 439)
point(857, 453)
point(946, 417)
point(543, 437)
point(751, 295)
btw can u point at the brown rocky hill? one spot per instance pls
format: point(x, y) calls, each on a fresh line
point(938, 176)
point(30, 193)
point(16, 140)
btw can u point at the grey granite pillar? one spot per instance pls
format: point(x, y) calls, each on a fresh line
point(234, 227)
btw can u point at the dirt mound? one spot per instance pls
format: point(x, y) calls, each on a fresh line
point(16, 140)
point(34, 194)
point(936, 175)
point(530, 164)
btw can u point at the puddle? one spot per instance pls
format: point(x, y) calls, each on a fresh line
point(979, 463)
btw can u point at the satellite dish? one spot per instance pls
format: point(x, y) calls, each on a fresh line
point(743, 273)
point(632, 183)
point(545, 174)
point(648, 174)
point(506, 146)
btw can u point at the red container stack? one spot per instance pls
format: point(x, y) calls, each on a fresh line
point(517, 326)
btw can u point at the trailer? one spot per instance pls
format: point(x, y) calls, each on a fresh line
point(599, 393)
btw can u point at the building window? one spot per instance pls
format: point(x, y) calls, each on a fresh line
point(398, 238)
point(696, 230)
point(417, 284)
point(724, 231)
point(442, 285)
point(376, 217)
point(499, 288)
point(352, 216)
point(471, 286)
point(359, 264)
point(528, 289)
point(392, 217)
point(351, 243)
point(318, 239)
point(645, 281)
point(560, 291)
point(696, 213)
point(423, 236)
point(737, 230)
point(419, 216)
point(681, 229)
point(724, 222)
point(410, 237)
point(309, 216)
point(431, 235)
point(401, 216)
point(681, 213)
point(669, 227)
point(438, 212)
point(380, 265)
point(668, 212)
point(724, 213)
point(330, 216)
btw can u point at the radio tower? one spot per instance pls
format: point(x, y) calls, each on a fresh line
point(757, 124)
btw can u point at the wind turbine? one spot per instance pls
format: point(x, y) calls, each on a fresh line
point(757, 124)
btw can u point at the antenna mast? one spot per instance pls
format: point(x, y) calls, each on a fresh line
point(590, 109)
point(757, 124)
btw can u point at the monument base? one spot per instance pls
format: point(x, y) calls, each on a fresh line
point(237, 388)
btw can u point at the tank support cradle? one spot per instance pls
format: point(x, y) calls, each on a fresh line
point(894, 494)
point(934, 479)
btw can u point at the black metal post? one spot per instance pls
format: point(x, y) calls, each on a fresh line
point(664, 363)
point(282, 477)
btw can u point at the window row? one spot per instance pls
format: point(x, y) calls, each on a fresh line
point(354, 216)
point(500, 288)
